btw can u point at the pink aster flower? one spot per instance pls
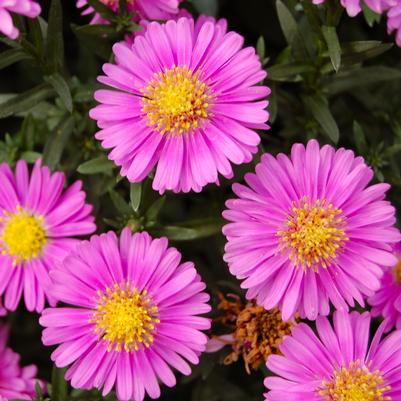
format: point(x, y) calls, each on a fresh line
point(148, 9)
point(387, 301)
point(15, 382)
point(394, 21)
point(37, 221)
point(337, 363)
point(307, 230)
point(133, 315)
point(28, 8)
point(189, 106)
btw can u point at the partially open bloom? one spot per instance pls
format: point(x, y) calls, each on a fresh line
point(391, 8)
point(337, 364)
point(37, 223)
point(15, 382)
point(256, 332)
point(133, 315)
point(148, 9)
point(189, 106)
point(307, 230)
point(387, 301)
point(28, 8)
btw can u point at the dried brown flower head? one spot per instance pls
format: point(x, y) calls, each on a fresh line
point(257, 333)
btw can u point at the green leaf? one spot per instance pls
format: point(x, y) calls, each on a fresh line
point(349, 80)
point(136, 195)
point(61, 87)
point(57, 141)
point(359, 137)
point(36, 35)
point(98, 165)
point(355, 52)
point(261, 47)
point(59, 385)
point(119, 203)
point(30, 157)
point(189, 231)
point(370, 16)
point(12, 56)
point(55, 43)
point(122, 7)
point(287, 22)
point(25, 101)
point(154, 209)
point(102, 9)
point(333, 44)
point(320, 110)
point(288, 72)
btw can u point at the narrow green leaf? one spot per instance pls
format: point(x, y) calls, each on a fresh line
point(59, 385)
point(190, 231)
point(55, 43)
point(355, 52)
point(287, 21)
point(345, 81)
point(25, 101)
point(95, 30)
point(36, 35)
point(261, 47)
point(370, 16)
point(320, 110)
point(288, 72)
point(57, 141)
point(12, 56)
point(136, 195)
point(119, 203)
point(122, 7)
point(359, 137)
point(95, 166)
point(154, 209)
point(333, 44)
point(61, 87)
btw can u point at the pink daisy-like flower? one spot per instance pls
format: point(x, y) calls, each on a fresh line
point(15, 382)
point(148, 9)
point(387, 301)
point(307, 230)
point(28, 8)
point(37, 221)
point(189, 106)
point(394, 21)
point(133, 315)
point(337, 363)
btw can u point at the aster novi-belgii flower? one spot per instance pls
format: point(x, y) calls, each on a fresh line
point(186, 100)
point(28, 8)
point(387, 301)
point(147, 9)
point(337, 363)
point(15, 382)
point(308, 230)
point(37, 221)
point(132, 316)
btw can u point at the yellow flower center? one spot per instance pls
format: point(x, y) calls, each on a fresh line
point(397, 270)
point(125, 318)
point(355, 384)
point(23, 235)
point(313, 233)
point(176, 101)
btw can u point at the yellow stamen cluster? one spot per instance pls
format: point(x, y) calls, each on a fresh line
point(176, 101)
point(355, 384)
point(23, 235)
point(313, 234)
point(125, 318)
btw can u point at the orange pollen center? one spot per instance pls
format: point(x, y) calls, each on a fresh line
point(176, 101)
point(397, 269)
point(355, 384)
point(313, 233)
